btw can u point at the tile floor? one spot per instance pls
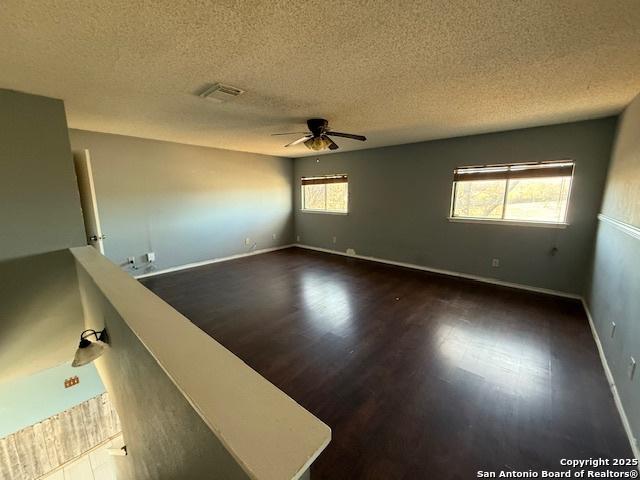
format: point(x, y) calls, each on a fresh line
point(96, 464)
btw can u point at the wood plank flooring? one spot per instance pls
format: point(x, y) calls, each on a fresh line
point(418, 375)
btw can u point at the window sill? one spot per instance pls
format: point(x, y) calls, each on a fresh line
point(517, 223)
point(324, 212)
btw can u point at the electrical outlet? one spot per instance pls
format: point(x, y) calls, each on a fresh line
point(298, 238)
point(151, 257)
point(131, 260)
point(613, 329)
point(247, 241)
point(632, 368)
point(335, 239)
point(274, 236)
point(495, 262)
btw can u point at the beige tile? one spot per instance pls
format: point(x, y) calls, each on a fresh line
point(118, 441)
point(58, 475)
point(99, 456)
point(107, 471)
point(79, 470)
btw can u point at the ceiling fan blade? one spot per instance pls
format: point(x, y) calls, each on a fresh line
point(362, 138)
point(300, 140)
point(288, 133)
point(332, 145)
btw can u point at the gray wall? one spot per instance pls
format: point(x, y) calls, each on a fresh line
point(40, 313)
point(165, 437)
point(186, 203)
point(39, 212)
point(39, 201)
point(614, 294)
point(400, 199)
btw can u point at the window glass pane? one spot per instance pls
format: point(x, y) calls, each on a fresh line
point(479, 199)
point(538, 199)
point(337, 197)
point(314, 197)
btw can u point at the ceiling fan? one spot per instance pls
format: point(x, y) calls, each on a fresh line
point(318, 136)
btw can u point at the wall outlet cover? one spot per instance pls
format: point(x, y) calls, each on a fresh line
point(298, 238)
point(151, 257)
point(274, 236)
point(247, 241)
point(495, 262)
point(335, 239)
point(131, 260)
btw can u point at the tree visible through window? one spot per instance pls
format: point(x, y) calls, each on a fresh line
point(536, 192)
point(325, 194)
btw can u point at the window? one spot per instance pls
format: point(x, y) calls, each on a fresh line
point(526, 192)
point(325, 194)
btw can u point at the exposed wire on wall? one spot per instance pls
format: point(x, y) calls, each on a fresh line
point(145, 267)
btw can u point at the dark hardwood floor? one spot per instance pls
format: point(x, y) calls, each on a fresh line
point(418, 375)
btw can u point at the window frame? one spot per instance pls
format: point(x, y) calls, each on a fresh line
point(514, 222)
point(325, 212)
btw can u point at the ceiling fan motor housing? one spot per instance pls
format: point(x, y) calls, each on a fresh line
point(318, 136)
point(317, 126)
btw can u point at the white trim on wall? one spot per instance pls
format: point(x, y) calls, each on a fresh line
point(622, 226)
point(612, 384)
point(451, 273)
point(493, 281)
point(210, 261)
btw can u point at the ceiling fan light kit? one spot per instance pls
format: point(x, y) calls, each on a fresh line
point(319, 135)
point(319, 143)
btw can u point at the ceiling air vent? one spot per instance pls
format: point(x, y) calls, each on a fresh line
point(219, 92)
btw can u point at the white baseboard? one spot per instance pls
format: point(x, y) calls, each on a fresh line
point(213, 260)
point(467, 276)
point(612, 384)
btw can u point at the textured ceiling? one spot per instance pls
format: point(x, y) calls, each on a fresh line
point(397, 71)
